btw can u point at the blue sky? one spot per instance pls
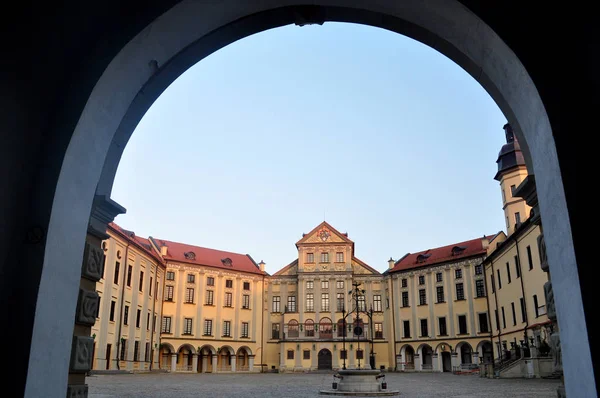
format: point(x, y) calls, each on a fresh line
point(380, 135)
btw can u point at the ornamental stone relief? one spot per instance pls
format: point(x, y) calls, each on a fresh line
point(77, 391)
point(81, 354)
point(541, 242)
point(93, 261)
point(87, 307)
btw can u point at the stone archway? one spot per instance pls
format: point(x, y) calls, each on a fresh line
point(87, 158)
point(324, 359)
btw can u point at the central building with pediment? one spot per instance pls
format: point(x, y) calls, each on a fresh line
point(309, 298)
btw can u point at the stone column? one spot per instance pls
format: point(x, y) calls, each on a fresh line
point(204, 363)
point(455, 360)
point(251, 363)
point(400, 361)
point(233, 360)
point(173, 363)
point(351, 356)
point(214, 363)
point(435, 363)
point(104, 210)
point(314, 358)
point(298, 359)
point(335, 356)
point(366, 356)
point(475, 357)
point(282, 356)
point(195, 362)
point(418, 362)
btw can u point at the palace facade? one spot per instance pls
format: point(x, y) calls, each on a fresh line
point(184, 308)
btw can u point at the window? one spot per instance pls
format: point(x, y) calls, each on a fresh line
point(324, 301)
point(148, 321)
point(187, 325)
point(246, 286)
point(483, 323)
point(98, 307)
point(405, 299)
point(517, 218)
point(458, 273)
point(123, 349)
point(112, 311)
point(138, 318)
point(310, 284)
point(528, 258)
point(340, 302)
point(129, 272)
point(116, 277)
point(306, 354)
point(499, 280)
point(189, 295)
point(166, 324)
point(493, 284)
point(462, 324)
point(378, 330)
point(169, 293)
point(276, 304)
point(512, 307)
point(246, 301)
point(310, 257)
point(377, 303)
point(359, 354)
point(479, 269)
point(517, 266)
point(404, 282)
point(512, 190)
point(275, 331)
point(424, 332)
point(229, 283)
point(421, 279)
point(290, 354)
point(535, 305)
point(439, 277)
point(309, 327)
point(339, 257)
point(406, 325)
point(440, 294)
point(422, 297)
point(324, 284)
point(325, 257)
point(244, 329)
point(310, 302)
point(503, 319)
point(291, 305)
point(208, 327)
point(343, 354)
point(150, 288)
point(362, 305)
point(523, 310)
point(508, 272)
point(141, 285)
point(228, 299)
point(497, 320)
point(170, 275)
point(460, 291)
point(339, 284)
point(126, 316)
point(442, 326)
point(479, 288)
point(147, 353)
point(226, 328)
point(209, 297)
point(210, 281)
point(191, 278)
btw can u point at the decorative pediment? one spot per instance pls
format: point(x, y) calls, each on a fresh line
point(324, 233)
point(361, 268)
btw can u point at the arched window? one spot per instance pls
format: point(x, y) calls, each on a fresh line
point(341, 328)
point(309, 328)
point(325, 328)
point(293, 328)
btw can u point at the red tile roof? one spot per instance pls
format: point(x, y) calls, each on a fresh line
point(142, 243)
point(209, 257)
point(442, 254)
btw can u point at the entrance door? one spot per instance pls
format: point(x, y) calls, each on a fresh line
point(325, 359)
point(446, 362)
point(108, 347)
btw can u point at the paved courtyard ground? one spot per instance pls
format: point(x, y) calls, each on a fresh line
point(307, 385)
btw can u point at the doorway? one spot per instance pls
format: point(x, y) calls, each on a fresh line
point(446, 362)
point(324, 359)
point(108, 348)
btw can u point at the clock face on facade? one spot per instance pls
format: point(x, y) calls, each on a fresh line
point(324, 234)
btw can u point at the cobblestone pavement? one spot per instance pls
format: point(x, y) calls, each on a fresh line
point(307, 385)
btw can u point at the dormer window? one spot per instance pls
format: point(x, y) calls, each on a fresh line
point(227, 262)
point(189, 255)
point(457, 250)
point(421, 258)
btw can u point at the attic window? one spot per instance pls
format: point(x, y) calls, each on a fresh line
point(456, 250)
point(190, 255)
point(227, 262)
point(421, 258)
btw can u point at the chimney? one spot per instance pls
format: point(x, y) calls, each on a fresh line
point(508, 132)
point(163, 250)
point(262, 265)
point(485, 242)
point(391, 263)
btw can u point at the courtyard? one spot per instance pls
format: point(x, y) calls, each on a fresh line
point(307, 385)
